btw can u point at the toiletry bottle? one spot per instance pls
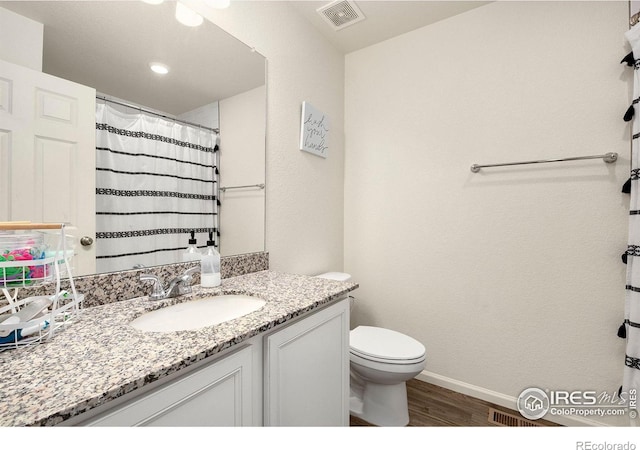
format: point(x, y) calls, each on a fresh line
point(210, 265)
point(191, 253)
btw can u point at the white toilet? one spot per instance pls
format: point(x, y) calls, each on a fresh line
point(382, 361)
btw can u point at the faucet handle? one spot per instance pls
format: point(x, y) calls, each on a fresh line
point(186, 276)
point(184, 287)
point(191, 270)
point(158, 291)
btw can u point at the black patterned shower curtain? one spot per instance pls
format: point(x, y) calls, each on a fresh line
point(630, 329)
point(155, 182)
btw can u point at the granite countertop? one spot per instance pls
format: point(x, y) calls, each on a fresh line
point(99, 357)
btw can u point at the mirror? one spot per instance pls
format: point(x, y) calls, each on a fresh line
point(108, 46)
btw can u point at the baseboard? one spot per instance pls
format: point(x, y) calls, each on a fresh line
point(499, 399)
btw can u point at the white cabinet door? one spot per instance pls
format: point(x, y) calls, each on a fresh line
point(218, 394)
point(307, 370)
point(47, 154)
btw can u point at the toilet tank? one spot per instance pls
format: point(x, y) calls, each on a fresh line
point(337, 276)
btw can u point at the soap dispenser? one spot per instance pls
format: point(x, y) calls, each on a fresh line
point(210, 265)
point(191, 253)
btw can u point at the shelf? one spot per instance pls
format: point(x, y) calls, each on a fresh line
point(8, 226)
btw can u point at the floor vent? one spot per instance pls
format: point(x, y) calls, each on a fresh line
point(504, 419)
point(341, 14)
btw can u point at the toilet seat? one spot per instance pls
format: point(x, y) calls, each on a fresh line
point(387, 368)
point(387, 360)
point(385, 346)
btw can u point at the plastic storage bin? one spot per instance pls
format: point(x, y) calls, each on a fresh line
point(23, 259)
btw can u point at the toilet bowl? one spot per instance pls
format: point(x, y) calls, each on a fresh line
point(381, 362)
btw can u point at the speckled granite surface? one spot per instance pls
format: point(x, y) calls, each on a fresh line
point(114, 286)
point(100, 357)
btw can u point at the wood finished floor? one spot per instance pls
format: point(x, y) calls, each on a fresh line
point(433, 406)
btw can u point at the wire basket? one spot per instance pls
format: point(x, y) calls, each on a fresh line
point(34, 319)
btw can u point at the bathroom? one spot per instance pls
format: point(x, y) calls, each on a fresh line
point(510, 277)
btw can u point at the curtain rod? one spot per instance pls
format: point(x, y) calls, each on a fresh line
point(139, 108)
point(607, 157)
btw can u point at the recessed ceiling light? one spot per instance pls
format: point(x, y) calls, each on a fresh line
point(153, 2)
point(187, 17)
point(159, 68)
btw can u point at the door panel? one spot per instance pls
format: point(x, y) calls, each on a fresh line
point(47, 154)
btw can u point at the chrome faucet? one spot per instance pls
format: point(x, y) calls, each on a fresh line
point(180, 285)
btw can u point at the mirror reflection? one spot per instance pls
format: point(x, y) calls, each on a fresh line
point(172, 152)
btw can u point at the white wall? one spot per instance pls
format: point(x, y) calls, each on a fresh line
point(21, 40)
point(241, 160)
point(242, 163)
point(206, 115)
point(305, 221)
point(511, 277)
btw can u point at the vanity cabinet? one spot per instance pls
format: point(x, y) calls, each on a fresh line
point(295, 375)
point(306, 370)
point(217, 394)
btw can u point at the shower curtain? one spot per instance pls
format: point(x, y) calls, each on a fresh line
point(631, 376)
point(155, 182)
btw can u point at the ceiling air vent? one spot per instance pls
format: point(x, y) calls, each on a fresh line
point(341, 14)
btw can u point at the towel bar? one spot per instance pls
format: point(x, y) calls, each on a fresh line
point(607, 157)
point(259, 186)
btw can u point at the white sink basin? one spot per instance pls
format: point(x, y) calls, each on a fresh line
point(199, 313)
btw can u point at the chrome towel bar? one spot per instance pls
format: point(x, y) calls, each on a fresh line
point(259, 186)
point(607, 157)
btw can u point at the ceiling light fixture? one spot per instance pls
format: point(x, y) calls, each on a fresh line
point(153, 2)
point(159, 68)
point(187, 17)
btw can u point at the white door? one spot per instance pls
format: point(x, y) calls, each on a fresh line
point(47, 154)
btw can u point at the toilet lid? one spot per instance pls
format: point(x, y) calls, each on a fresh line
point(382, 343)
point(337, 276)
